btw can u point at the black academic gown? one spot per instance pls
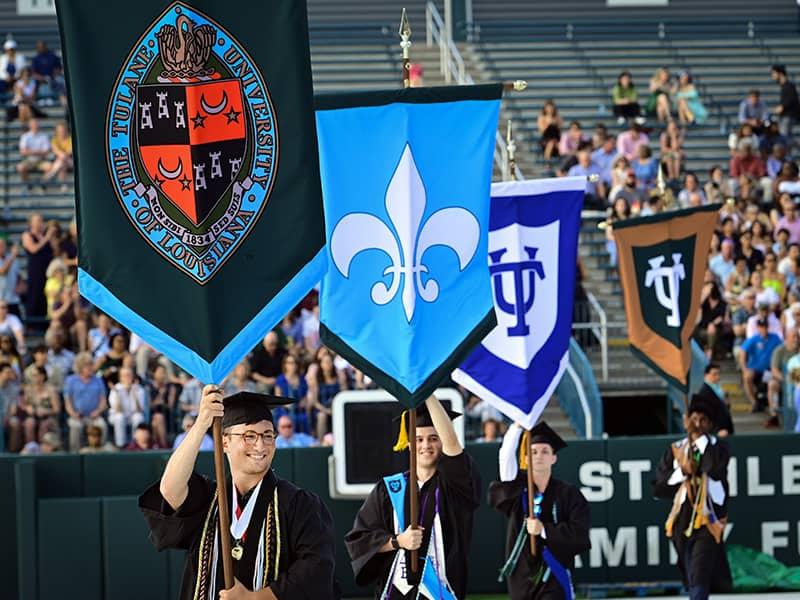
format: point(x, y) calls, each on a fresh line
point(707, 564)
point(458, 481)
point(306, 564)
point(566, 528)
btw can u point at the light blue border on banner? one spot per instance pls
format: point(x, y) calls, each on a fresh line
point(186, 358)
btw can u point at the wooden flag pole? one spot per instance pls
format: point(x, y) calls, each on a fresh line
point(413, 487)
point(222, 502)
point(531, 492)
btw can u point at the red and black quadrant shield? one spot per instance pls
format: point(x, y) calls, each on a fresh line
point(192, 139)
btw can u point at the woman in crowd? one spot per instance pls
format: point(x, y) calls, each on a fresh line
point(23, 104)
point(712, 328)
point(625, 98)
point(37, 243)
point(717, 189)
point(127, 403)
point(549, 124)
point(109, 364)
point(10, 354)
point(658, 104)
point(61, 146)
point(690, 107)
point(646, 169)
point(41, 406)
point(740, 137)
point(761, 237)
point(54, 284)
point(291, 384)
point(163, 395)
point(324, 382)
point(672, 155)
point(619, 212)
point(772, 278)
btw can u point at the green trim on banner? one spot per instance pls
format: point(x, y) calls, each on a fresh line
point(668, 378)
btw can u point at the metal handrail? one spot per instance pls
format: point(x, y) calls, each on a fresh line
point(601, 333)
point(452, 66)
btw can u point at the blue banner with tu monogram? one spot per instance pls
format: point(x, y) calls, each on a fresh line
point(406, 179)
point(532, 255)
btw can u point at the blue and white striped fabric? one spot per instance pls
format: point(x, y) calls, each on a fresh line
point(533, 244)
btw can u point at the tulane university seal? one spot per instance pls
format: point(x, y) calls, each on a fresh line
point(191, 141)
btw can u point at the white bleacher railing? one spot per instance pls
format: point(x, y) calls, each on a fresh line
point(453, 68)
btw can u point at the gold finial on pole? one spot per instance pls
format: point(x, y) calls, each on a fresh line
point(405, 44)
point(517, 85)
point(511, 147)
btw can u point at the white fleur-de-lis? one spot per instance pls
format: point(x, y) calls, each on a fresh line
point(455, 228)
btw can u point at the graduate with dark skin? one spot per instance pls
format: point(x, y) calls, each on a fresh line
point(693, 474)
point(560, 520)
point(284, 540)
point(450, 488)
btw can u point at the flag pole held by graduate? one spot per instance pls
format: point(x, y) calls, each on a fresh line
point(208, 149)
point(662, 262)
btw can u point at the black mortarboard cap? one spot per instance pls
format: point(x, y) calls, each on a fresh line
point(703, 405)
point(250, 407)
point(423, 420)
point(542, 433)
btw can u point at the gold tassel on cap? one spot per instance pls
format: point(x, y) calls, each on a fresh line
point(402, 439)
point(523, 451)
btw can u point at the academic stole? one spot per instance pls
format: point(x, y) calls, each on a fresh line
point(696, 490)
point(267, 559)
point(433, 581)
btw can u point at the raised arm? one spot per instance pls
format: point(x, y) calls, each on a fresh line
point(444, 427)
point(174, 483)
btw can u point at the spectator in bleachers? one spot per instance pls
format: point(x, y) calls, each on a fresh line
point(717, 189)
point(744, 135)
point(778, 362)
point(672, 154)
point(11, 65)
point(292, 384)
point(776, 160)
point(163, 396)
point(770, 137)
point(722, 264)
point(311, 339)
point(100, 335)
point(571, 140)
point(754, 361)
point(23, 104)
point(108, 365)
point(265, 361)
point(288, 438)
point(738, 280)
point(604, 157)
point(34, 147)
point(690, 107)
point(773, 279)
point(56, 275)
point(691, 185)
point(625, 98)
point(94, 442)
point(653, 204)
point(741, 316)
point(713, 328)
point(619, 211)
point(84, 400)
point(658, 104)
point(789, 221)
point(324, 382)
point(595, 190)
point(189, 398)
point(71, 315)
point(753, 111)
point(549, 124)
point(629, 191)
point(44, 63)
point(781, 244)
point(61, 147)
point(788, 108)
point(9, 407)
point(59, 358)
point(127, 402)
point(628, 142)
point(9, 277)
point(10, 354)
point(68, 248)
point(41, 406)
point(788, 182)
point(143, 440)
point(186, 424)
point(239, 380)
point(788, 264)
point(54, 375)
point(747, 169)
point(37, 243)
point(646, 169)
point(10, 325)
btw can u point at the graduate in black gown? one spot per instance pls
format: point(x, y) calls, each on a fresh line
point(381, 539)
point(282, 537)
point(560, 520)
point(693, 473)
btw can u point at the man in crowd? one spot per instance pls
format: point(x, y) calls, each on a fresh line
point(9, 405)
point(289, 438)
point(595, 190)
point(181, 511)
point(559, 522)
point(628, 142)
point(754, 361)
point(722, 264)
point(788, 108)
point(9, 277)
point(693, 474)
point(778, 370)
point(753, 111)
point(84, 400)
point(188, 422)
point(265, 362)
point(11, 65)
point(382, 538)
point(34, 147)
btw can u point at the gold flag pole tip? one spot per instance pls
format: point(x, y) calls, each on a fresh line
point(518, 85)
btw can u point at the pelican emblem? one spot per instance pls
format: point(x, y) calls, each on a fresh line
point(171, 174)
point(214, 110)
point(185, 47)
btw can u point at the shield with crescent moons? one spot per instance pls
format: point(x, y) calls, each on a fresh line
point(192, 140)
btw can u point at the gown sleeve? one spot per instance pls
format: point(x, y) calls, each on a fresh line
point(462, 478)
point(664, 470)
point(508, 453)
point(312, 538)
point(570, 536)
point(715, 461)
point(177, 528)
point(504, 496)
point(371, 530)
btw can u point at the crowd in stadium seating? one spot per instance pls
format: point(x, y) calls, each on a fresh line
point(751, 298)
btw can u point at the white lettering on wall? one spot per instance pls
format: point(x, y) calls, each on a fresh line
point(754, 485)
point(771, 537)
point(595, 477)
point(634, 469)
point(602, 547)
point(790, 467)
